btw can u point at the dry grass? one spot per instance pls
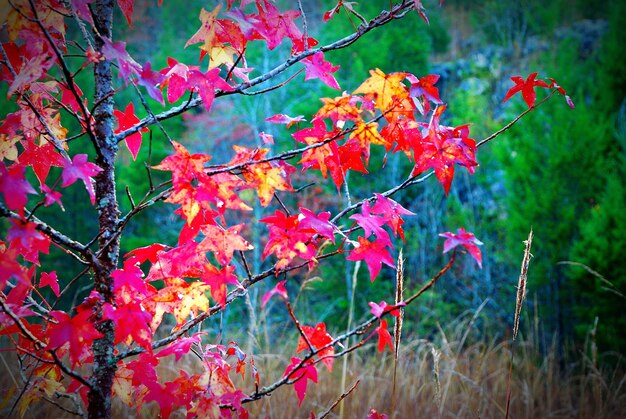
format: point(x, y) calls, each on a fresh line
point(448, 379)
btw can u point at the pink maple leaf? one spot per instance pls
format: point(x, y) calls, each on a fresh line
point(127, 66)
point(392, 212)
point(15, 187)
point(27, 240)
point(379, 309)
point(50, 196)
point(181, 346)
point(466, 240)
point(279, 289)
point(302, 376)
point(281, 118)
point(373, 253)
point(317, 68)
point(80, 168)
point(50, 280)
point(372, 224)
point(320, 223)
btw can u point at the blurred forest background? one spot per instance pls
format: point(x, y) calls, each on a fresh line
point(560, 171)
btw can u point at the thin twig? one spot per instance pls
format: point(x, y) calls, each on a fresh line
point(343, 396)
point(299, 327)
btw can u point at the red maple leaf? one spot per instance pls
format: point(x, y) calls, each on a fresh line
point(127, 9)
point(384, 338)
point(184, 166)
point(80, 168)
point(223, 242)
point(40, 158)
point(141, 254)
point(302, 376)
point(349, 5)
point(318, 337)
point(132, 324)
point(373, 253)
point(166, 396)
point(218, 279)
point(527, 87)
point(466, 240)
point(126, 120)
point(287, 240)
point(441, 148)
point(78, 331)
point(144, 369)
point(317, 68)
point(555, 85)
point(298, 44)
point(10, 267)
point(373, 414)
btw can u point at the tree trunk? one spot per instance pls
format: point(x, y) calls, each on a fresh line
point(106, 203)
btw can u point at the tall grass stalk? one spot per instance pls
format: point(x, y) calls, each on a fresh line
point(344, 367)
point(397, 330)
point(519, 301)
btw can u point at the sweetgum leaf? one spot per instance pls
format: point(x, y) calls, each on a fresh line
point(373, 253)
point(78, 331)
point(80, 168)
point(126, 120)
point(466, 240)
point(318, 68)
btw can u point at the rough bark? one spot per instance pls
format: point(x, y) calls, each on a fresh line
point(108, 215)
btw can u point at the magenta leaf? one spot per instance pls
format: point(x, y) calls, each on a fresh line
point(80, 168)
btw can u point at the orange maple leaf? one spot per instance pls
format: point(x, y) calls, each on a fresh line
point(339, 110)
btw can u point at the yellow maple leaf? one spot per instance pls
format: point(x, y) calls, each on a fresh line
point(385, 89)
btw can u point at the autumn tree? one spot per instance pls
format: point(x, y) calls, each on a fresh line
point(61, 133)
